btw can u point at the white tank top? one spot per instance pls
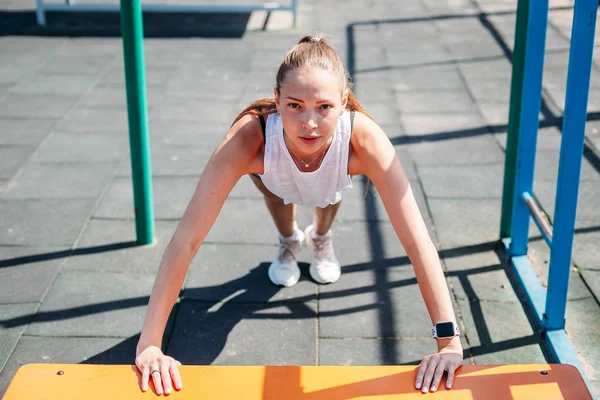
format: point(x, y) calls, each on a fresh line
point(319, 188)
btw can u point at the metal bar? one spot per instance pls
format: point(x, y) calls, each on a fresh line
point(530, 283)
point(563, 353)
point(294, 13)
point(538, 218)
point(133, 51)
point(571, 152)
point(531, 103)
point(561, 348)
point(40, 12)
point(514, 116)
point(166, 7)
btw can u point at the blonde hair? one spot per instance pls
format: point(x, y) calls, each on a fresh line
point(311, 51)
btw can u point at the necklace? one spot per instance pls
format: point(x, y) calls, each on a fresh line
point(307, 164)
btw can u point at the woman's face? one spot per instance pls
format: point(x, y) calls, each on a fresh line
point(310, 103)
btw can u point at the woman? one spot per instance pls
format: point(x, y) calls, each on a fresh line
point(302, 147)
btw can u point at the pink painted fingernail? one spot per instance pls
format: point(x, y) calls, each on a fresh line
point(425, 389)
point(433, 388)
point(418, 386)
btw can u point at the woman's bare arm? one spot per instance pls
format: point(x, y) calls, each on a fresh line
point(230, 161)
point(378, 160)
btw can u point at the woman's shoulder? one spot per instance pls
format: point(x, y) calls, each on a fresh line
point(247, 132)
point(365, 132)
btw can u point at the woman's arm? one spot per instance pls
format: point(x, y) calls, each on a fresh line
point(232, 159)
point(378, 160)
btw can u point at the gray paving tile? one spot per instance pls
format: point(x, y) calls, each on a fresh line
point(155, 75)
point(99, 304)
point(581, 325)
point(171, 197)
point(94, 120)
point(419, 79)
point(464, 222)
point(479, 276)
point(60, 181)
point(186, 134)
point(490, 91)
point(55, 84)
point(220, 86)
point(592, 279)
point(382, 113)
point(194, 110)
point(9, 335)
point(238, 334)
point(585, 249)
point(45, 223)
point(492, 340)
point(354, 351)
point(435, 102)
point(36, 105)
point(539, 256)
point(466, 181)
point(13, 73)
point(12, 159)
point(5, 87)
point(496, 115)
point(80, 148)
point(238, 273)
point(446, 127)
point(24, 132)
point(496, 69)
point(587, 215)
point(434, 149)
point(109, 245)
point(171, 161)
point(26, 272)
point(416, 58)
point(373, 304)
point(89, 65)
point(3, 183)
point(67, 351)
point(116, 97)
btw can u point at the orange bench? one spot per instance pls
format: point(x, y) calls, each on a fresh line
point(79, 381)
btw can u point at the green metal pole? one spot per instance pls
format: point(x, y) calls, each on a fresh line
point(133, 51)
point(514, 117)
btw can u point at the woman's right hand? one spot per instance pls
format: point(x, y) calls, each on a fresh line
point(163, 369)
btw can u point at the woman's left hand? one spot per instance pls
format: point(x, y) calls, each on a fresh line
point(432, 368)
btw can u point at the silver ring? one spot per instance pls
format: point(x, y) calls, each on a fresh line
point(155, 371)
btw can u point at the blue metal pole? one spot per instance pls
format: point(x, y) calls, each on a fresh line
point(569, 168)
point(531, 103)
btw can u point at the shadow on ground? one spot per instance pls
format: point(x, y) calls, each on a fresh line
point(107, 24)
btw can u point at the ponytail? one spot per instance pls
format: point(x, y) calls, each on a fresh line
point(260, 107)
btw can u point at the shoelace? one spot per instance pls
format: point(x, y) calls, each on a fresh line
point(322, 249)
point(287, 250)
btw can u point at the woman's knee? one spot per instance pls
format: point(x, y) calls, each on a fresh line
point(272, 199)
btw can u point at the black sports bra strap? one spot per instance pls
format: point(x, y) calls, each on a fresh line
point(263, 126)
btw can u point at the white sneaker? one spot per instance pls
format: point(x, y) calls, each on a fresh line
point(284, 269)
point(325, 268)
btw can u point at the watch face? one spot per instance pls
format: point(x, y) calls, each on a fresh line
point(445, 329)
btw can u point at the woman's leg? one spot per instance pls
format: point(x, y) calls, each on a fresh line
point(324, 217)
point(283, 214)
point(284, 269)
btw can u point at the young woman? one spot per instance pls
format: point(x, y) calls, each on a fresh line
point(302, 147)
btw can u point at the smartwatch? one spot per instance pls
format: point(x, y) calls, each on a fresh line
point(444, 330)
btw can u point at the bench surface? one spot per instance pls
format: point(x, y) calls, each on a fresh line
point(86, 381)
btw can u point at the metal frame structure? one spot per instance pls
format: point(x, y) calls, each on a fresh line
point(549, 305)
point(69, 5)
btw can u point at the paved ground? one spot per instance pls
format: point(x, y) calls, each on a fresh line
point(436, 76)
